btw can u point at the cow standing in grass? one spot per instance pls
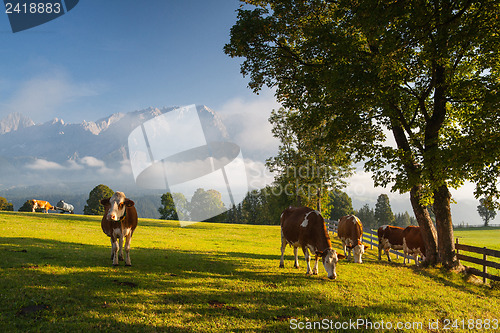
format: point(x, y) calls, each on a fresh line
point(304, 227)
point(389, 237)
point(119, 221)
point(413, 243)
point(40, 204)
point(350, 232)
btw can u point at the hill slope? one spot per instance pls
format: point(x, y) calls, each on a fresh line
point(57, 276)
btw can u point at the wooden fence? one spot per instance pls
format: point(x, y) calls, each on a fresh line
point(483, 262)
point(370, 237)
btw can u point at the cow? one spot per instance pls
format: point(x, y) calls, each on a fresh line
point(40, 204)
point(119, 221)
point(304, 227)
point(413, 243)
point(389, 237)
point(350, 232)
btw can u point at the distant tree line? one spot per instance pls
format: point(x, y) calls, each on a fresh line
point(5, 205)
point(262, 206)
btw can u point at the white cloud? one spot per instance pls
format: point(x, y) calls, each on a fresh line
point(41, 164)
point(247, 122)
point(92, 162)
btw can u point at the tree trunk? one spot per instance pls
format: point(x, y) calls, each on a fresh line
point(427, 228)
point(442, 209)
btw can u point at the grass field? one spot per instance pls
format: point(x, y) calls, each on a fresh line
point(56, 276)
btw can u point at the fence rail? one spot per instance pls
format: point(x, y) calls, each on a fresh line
point(371, 237)
point(483, 262)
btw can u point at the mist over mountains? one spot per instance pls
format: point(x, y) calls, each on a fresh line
point(54, 154)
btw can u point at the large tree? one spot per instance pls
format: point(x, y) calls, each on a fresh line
point(304, 167)
point(425, 71)
point(487, 213)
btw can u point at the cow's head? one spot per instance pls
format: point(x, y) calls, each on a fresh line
point(358, 251)
point(330, 259)
point(116, 206)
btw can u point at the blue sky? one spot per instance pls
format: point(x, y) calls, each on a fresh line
point(118, 56)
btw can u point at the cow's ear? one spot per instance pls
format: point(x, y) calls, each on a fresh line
point(319, 253)
point(105, 202)
point(129, 203)
point(340, 256)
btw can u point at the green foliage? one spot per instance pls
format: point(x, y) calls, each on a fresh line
point(26, 207)
point(404, 219)
point(303, 167)
point(367, 217)
point(487, 213)
point(427, 71)
point(262, 206)
point(5, 205)
point(167, 210)
point(204, 203)
point(340, 204)
point(93, 206)
point(383, 211)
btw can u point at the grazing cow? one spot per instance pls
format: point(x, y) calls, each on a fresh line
point(304, 227)
point(389, 237)
point(119, 220)
point(413, 243)
point(40, 204)
point(350, 232)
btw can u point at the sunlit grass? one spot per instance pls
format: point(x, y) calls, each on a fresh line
point(56, 275)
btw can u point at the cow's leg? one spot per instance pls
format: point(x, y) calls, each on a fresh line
point(120, 255)
point(296, 254)
point(344, 247)
point(379, 251)
point(308, 260)
point(127, 250)
point(315, 268)
point(114, 242)
point(283, 247)
point(112, 248)
point(387, 252)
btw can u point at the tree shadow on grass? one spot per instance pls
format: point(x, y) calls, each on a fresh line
point(48, 285)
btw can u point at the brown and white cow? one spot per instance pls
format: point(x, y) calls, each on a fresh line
point(304, 227)
point(119, 221)
point(389, 237)
point(413, 243)
point(40, 204)
point(350, 232)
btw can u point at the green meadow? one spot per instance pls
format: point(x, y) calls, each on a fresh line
point(56, 276)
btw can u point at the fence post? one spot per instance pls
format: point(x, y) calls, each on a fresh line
point(485, 269)
point(456, 248)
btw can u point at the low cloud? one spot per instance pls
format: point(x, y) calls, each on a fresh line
point(247, 122)
point(41, 164)
point(92, 162)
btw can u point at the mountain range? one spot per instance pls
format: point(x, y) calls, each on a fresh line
point(56, 152)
